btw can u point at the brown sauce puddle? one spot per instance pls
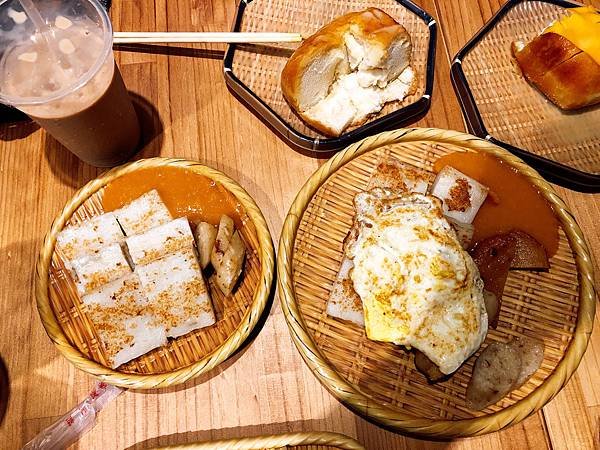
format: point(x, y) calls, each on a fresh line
point(185, 193)
point(513, 202)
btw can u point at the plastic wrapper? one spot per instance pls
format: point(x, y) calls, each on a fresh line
point(70, 427)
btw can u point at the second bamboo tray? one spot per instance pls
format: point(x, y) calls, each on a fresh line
point(63, 314)
point(378, 380)
point(314, 440)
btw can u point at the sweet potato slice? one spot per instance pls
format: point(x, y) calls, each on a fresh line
point(224, 234)
point(205, 235)
point(493, 257)
point(532, 355)
point(427, 367)
point(529, 253)
point(495, 374)
point(501, 368)
point(231, 264)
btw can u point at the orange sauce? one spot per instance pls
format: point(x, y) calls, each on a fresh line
point(513, 202)
point(185, 192)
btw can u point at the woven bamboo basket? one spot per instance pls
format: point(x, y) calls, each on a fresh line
point(63, 314)
point(378, 380)
point(289, 441)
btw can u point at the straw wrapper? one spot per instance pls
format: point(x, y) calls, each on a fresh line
point(76, 422)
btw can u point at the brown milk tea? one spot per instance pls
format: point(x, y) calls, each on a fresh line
point(91, 116)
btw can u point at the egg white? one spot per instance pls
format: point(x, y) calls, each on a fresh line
point(418, 287)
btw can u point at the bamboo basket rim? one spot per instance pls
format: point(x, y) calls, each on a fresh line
point(384, 415)
point(338, 440)
point(218, 355)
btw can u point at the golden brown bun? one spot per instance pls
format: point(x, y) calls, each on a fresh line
point(318, 62)
point(569, 77)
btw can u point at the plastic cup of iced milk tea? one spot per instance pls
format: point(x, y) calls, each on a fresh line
point(57, 66)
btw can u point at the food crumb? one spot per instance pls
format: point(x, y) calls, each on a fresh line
point(459, 198)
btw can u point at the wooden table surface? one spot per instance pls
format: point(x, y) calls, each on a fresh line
point(268, 389)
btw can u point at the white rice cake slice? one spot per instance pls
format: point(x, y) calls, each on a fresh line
point(118, 311)
point(391, 178)
point(94, 271)
point(344, 303)
point(462, 196)
point(143, 213)
point(160, 241)
point(392, 175)
point(89, 237)
point(179, 298)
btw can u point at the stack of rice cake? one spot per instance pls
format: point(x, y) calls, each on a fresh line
point(135, 311)
point(396, 179)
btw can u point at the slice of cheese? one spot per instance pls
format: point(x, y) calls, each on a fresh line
point(582, 28)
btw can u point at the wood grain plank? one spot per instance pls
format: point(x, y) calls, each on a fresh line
point(590, 368)
point(569, 423)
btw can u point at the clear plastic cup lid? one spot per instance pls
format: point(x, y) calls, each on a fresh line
point(19, 34)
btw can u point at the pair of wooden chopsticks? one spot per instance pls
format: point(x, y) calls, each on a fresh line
point(192, 37)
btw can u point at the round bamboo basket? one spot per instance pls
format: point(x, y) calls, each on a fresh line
point(320, 440)
point(378, 380)
point(63, 314)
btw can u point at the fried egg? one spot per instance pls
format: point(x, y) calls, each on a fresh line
point(418, 287)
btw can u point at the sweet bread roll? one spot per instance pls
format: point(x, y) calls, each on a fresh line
point(563, 61)
point(348, 70)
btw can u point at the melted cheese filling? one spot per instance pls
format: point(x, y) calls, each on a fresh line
point(582, 28)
